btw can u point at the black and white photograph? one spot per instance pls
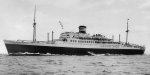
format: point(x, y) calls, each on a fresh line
point(74, 37)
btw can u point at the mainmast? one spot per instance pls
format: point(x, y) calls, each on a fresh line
point(34, 26)
point(127, 31)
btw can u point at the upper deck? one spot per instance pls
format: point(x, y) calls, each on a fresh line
point(83, 36)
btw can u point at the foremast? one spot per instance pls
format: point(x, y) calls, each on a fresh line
point(34, 26)
point(127, 31)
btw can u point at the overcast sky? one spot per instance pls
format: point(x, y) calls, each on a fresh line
point(107, 17)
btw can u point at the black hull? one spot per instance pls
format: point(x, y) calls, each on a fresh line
point(16, 48)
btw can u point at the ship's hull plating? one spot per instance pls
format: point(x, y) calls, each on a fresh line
point(17, 48)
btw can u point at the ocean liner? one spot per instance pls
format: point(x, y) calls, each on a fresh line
point(73, 43)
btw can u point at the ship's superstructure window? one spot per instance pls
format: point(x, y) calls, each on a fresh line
point(75, 40)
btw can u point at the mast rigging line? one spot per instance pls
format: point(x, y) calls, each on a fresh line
point(61, 24)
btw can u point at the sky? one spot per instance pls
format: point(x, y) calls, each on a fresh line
point(107, 17)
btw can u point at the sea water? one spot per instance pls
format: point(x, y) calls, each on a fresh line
point(75, 65)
